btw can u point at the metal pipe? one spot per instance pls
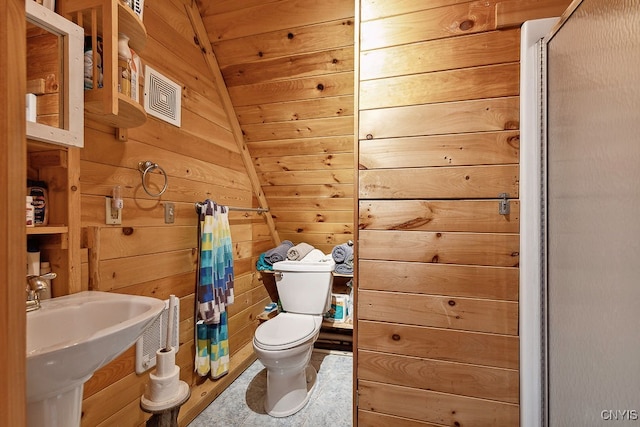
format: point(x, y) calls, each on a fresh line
point(259, 210)
point(236, 208)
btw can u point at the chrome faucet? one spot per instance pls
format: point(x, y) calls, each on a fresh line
point(35, 285)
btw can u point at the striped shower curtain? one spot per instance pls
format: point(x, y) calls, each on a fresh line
point(215, 291)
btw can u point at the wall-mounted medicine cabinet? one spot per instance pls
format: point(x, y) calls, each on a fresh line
point(55, 100)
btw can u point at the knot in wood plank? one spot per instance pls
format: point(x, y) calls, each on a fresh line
point(466, 25)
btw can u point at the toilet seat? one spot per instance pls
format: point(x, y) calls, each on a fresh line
point(286, 330)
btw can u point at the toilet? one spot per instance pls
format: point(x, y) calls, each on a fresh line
point(284, 344)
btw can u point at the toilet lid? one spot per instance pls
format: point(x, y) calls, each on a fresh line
point(286, 330)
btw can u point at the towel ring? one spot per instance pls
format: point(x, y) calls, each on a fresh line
point(148, 166)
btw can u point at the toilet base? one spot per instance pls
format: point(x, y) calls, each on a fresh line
point(286, 395)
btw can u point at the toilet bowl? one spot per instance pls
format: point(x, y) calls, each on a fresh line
point(284, 344)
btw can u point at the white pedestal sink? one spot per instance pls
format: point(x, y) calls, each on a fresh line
point(68, 339)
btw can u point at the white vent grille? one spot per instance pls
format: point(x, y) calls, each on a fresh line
point(155, 337)
point(162, 97)
point(138, 7)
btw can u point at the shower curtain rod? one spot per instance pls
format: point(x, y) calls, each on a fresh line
point(235, 208)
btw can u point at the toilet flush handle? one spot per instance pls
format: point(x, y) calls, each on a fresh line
point(278, 275)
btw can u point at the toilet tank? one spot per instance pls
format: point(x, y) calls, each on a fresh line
point(304, 287)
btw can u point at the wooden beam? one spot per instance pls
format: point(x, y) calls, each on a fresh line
point(13, 85)
point(514, 12)
point(36, 86)
point(212, 62)
point(75, 251)
point(355, 283)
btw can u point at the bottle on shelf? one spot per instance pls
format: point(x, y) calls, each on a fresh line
point(124, 65)
point(135, 75)
point(30, 212)
point(38, 191)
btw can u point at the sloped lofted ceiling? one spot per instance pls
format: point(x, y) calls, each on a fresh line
point(289, 69)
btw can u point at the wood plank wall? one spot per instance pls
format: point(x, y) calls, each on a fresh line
point(437, 330)
point(145, 256)
point(288, 65)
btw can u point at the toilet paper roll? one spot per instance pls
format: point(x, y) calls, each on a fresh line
point(165, 388)
point(164, 381)
point(165, 361)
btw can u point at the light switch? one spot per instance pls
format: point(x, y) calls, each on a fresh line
point(169, 213)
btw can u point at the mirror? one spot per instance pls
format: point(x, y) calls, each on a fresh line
point(55, 103)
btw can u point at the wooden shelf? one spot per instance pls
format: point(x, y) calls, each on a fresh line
point(129, 113)
point(350, 276)
point(59, 242)
point(340, 287)
point(338, 325)
point(49, 229)
point(105, 104)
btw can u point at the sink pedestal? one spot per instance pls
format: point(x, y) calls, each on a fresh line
point(62, 409)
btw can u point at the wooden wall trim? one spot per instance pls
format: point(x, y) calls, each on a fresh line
point(207, 51)
point(356, 201)
point(514, 13)
point(74, 235)
point(13, 86)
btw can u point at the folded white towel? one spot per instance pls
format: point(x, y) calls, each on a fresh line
point(314, 256)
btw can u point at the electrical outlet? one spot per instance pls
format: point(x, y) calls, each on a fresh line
point(169, 213)
point(112, 216)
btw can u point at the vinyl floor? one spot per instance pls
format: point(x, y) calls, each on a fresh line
point(242, 403)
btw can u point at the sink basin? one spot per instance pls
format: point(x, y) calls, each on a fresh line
point(71, 337)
